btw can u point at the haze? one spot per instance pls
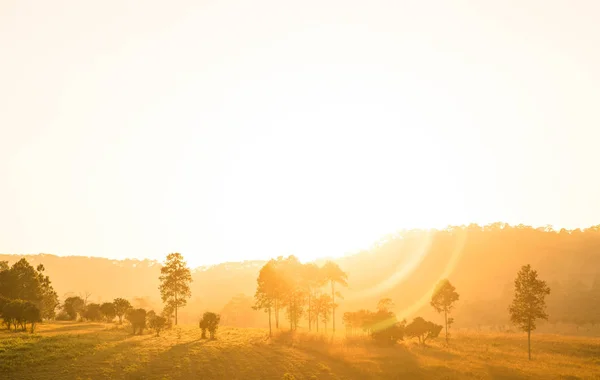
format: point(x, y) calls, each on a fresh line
point(237, 130)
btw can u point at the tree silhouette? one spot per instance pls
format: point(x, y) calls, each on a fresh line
point(22, 281)
point(322, 309)
point(312, 280)
point(443, 299)
point(73, 306)
point(156, 322)
point(333, 274)
point(137, 318)
point(19, 313)
point(422, 329)
point(210, 321)
point(529, 302)
point(175, 278)
point(265, 295)
point(121, 308)
point(92, 312)
point(108, 311)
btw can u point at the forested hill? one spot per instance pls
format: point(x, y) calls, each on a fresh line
point(481, 262)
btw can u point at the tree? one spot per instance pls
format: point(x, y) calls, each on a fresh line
point(121, 308)
point(49, 298)
point(312, 280)
point(333, 274)
point(175, 278)
point(322, 309)
point(73, 306)
point(92, 312)
point(529, 302)
point(108, 311)
point(210, 321)
point(22, 281)
point(443, 299)
point(31, 314)
point(137, 318)
point(422, 329)
point(156, 322)
point(265, 290)
point(19, 313)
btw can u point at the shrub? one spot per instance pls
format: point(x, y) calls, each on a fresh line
point(137, 318)
point(210, 321)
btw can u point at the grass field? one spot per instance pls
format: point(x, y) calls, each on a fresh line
point(101, 351)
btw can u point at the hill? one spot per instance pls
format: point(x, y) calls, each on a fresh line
point(481, 261)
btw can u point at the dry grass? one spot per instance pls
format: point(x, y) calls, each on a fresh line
point(99, 351)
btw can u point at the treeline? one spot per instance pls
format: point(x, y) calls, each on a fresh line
point(483, 269)
point(286, 284)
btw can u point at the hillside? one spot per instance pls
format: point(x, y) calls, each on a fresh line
point(480, 261)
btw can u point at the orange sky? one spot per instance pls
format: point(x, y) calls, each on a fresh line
point(237, 130)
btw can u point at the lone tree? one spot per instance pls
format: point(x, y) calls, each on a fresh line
point(121, 307)
point(529, 303)
point(137, 318)
point(422, 329)
point(443, 299)
point(333, 274)
point(210, 321)
point(156, 322)
point(175, 278)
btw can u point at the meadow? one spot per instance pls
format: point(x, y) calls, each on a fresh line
point(78, 350)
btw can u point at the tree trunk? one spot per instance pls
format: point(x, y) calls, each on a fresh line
point(529, 341)
point(276, 314)
point(333, 304)
point(175, 309)
point(270, 322)
point(309, 321)
point(446, 319)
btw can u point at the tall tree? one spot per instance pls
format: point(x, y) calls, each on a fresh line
point(175, 278)
point(443, 299)
point(333, 274)
point(529, 303)
point(265, 290)
point(312, 280)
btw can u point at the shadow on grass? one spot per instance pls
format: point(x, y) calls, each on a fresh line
point(39, 353)
point(504, 373)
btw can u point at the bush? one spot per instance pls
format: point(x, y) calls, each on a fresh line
point(210, 321)
point(156, 322)
point(137, 318)
point(63, 316)
point(390, 334)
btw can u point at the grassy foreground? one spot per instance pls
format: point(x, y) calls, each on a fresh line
point(101, 351)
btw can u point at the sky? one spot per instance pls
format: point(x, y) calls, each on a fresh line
point(237, 130)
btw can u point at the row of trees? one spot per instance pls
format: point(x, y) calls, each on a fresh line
point(76, 307)
point(285, 283)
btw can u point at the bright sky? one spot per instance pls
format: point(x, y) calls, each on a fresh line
point(232, 130)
